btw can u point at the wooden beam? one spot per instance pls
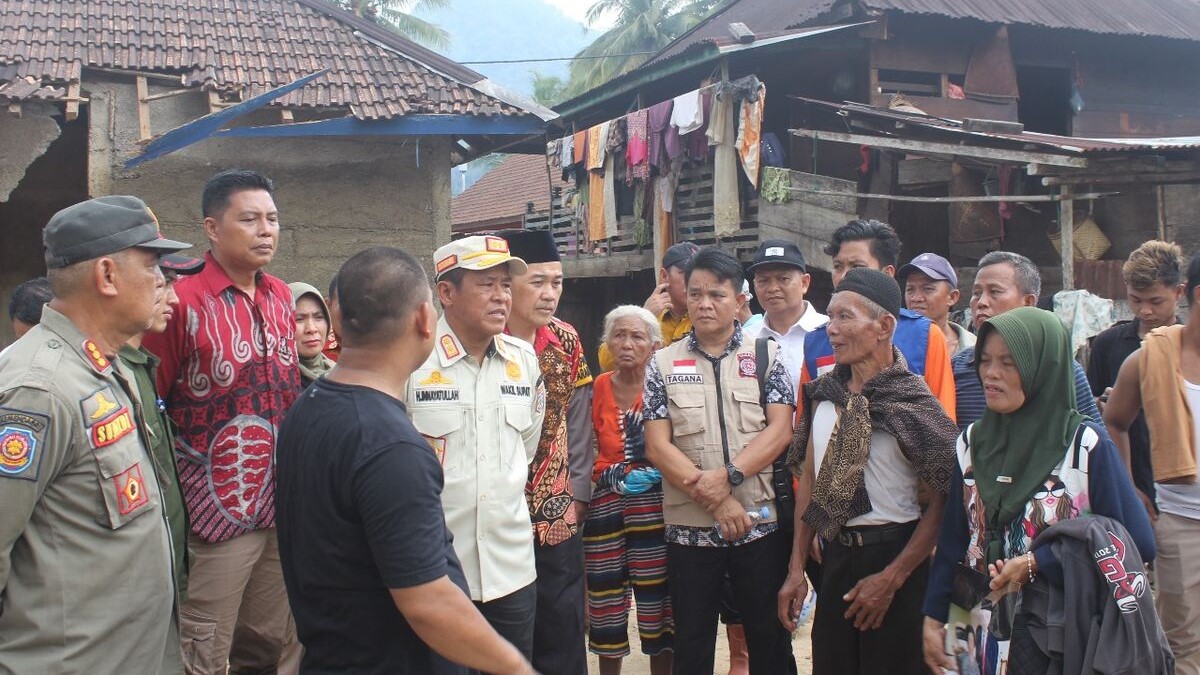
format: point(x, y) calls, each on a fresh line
point(169, 94)
point(1118, 167)
point(1163, 178)
point(923, 171)
point(214, 101)
point(73, 101)
point(1066, 230)
point(143, 91)
point(177, 79)
point(956, 200)
point(939, 148)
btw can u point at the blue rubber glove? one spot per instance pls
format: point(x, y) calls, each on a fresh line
point(640, 480)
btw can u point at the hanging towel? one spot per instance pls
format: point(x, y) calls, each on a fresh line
point(567, 145)
point(727, 216)
point(610, 197)
point(637, 153)
point(660, 124)
point(749, 138)
point(687, 114)
point(595, 150)
point(667, 183)
point(578, 147)
point(596, 227)
point(695, 144)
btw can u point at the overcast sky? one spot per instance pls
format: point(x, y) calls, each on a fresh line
point(576, 9)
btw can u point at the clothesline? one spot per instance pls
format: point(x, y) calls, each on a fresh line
point(980, 198)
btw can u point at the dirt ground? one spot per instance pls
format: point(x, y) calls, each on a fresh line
point(638, 663)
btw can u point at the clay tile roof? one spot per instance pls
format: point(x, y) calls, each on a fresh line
point(236, 46)
point(504, 193)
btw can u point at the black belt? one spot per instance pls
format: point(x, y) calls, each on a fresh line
point(871, 535)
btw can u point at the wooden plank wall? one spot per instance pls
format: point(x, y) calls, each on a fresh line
point(694, 213)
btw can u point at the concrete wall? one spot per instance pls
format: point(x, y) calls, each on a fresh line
point(336, 196)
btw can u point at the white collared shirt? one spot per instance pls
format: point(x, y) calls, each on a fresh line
point(791, 343)
point(484, 421)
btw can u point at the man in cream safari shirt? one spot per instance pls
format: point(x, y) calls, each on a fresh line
point(479, 400)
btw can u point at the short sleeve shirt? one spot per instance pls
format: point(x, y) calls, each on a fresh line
point(359, 512)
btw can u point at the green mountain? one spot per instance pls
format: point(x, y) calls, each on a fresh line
point(497, 30)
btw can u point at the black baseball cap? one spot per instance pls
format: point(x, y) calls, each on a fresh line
point(679, 255)
point(101, 226)
point(778, 252)
point(181, 264)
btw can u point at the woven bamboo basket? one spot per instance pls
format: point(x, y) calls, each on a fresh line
point(1090, 241)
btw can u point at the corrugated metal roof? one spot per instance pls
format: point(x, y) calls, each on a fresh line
point(245, 47)
point(1178, 19)
point(505, 192)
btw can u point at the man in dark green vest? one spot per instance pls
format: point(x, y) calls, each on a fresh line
point(160, 437)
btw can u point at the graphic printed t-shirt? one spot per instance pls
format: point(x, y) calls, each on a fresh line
point(359, 512)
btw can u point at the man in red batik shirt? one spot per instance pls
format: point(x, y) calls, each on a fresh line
point(560, 476)
point(228, 375)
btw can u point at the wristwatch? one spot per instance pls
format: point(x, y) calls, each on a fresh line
point(735, 474)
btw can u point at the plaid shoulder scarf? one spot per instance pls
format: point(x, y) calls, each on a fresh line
point(895, 401)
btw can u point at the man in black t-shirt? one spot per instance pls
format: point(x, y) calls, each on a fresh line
point(371, 575)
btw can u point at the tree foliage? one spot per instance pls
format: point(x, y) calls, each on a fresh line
point(549, 90)
point(642, 27)
point(399, 15)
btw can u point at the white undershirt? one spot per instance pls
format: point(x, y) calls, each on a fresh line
point(1184, 500)
point(891, 480)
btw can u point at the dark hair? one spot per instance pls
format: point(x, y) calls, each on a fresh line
point(377, 289)
point(1193, 278)
point(723, 266)
point(28, 299)
point(454, 277)
point(1026, 274)
point(885, 243)
point(218, 188)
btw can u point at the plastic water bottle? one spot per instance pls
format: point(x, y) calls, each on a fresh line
point(755, 516)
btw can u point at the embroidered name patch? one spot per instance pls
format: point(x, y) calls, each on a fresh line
point(112, 429)
point(522, 390)
point(747, 365)
point(685, 378)
point(436, 395)
point(131, 490)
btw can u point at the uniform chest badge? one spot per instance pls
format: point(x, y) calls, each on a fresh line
point(131, 489)
point(684, 367)
point(435, 378)
point(96, 357)
point(98, 405)
point(513, 370)
point(112, 429)
point(17, 446)
point(747, 365)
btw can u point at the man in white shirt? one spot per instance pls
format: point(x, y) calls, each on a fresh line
point(781, 280)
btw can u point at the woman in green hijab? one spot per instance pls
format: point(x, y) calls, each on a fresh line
point(312, 331)
point(1031, 461)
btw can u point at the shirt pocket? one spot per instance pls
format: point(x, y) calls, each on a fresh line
point(437, 426)
point(686, 409)
point(750, 415)
point(126, 477)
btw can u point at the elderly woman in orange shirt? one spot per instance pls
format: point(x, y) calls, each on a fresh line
point(623, 536)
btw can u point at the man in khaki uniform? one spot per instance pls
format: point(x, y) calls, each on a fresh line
point(85, 558)
point(479, 400)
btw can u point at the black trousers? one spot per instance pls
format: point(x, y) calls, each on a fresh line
point(896, 646)
point(558, 637)
point(512, 617)
point(695, 575)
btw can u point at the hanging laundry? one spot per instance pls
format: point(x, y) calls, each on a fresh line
point(595, 150)
point(596, 226)
point(659, 117)
point(637, 152)
point(567, 155)
point(727, 216)
point(615, 141)
point(601, 142)
point(695, 143)
point(578, 147)
point(749, 138)
point(687, 113)
point(610, 197)
point(667, 183)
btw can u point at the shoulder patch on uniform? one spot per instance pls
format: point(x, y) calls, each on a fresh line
point(131, 489)
point(747, 365)
point(539, 402)
point(98, 405)
point(21, 435)
point(112, 428)
point(96, 357)
point(449, 347)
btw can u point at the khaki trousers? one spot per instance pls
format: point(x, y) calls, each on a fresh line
point(1177, 575)
point(237, 609)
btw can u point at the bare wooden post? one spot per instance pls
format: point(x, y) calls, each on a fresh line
point(143, 92)
point(1066, 230)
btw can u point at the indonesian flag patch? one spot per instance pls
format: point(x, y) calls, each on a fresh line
point(684, 367)
point(825, 364)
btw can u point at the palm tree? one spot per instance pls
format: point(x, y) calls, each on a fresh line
point(642, 27)
point(547, 89)
point(399, 15)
